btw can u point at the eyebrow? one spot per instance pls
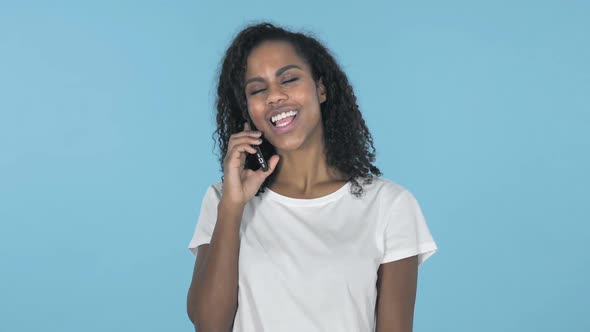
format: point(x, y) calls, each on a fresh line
point(278, 73)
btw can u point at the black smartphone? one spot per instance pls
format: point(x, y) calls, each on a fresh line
point(259, 157)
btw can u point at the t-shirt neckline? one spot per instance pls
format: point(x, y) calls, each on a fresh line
point(309, 201)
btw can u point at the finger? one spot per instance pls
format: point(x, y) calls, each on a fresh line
point(248, 128)
point(239, 152)
point(243, 140)
point(273, 162)
point(251, 133)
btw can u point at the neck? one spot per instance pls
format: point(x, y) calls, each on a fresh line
point(304, 169)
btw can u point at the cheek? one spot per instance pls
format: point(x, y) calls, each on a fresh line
point(308, 92)
point(255, 108)
point(311, 98)
point(253, 105)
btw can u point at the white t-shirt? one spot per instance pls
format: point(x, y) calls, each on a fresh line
point(311, 264)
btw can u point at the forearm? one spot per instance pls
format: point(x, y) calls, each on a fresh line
point(214, 294)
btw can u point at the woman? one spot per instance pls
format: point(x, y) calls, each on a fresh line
point(303, 246)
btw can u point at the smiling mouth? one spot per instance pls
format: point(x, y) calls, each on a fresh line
point(284, 119)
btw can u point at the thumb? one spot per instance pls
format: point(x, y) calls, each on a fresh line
point(273, 162)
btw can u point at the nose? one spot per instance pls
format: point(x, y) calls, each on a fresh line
point(276, 95)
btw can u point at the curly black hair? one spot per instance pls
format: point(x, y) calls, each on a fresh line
point(348, 143)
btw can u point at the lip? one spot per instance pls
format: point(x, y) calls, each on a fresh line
point(280, 110)
point(287, 128)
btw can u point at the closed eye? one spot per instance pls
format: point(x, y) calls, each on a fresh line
point(256, 91)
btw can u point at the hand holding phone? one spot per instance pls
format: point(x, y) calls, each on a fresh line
point(259, 156)
point(241, 183)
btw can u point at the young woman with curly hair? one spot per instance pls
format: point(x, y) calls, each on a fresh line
point(319, 241)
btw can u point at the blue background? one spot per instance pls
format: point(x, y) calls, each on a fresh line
point(481, 109)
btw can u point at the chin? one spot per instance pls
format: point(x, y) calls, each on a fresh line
point(287, 144)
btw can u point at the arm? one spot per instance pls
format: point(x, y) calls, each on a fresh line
point(213, 293)
point(396, 286)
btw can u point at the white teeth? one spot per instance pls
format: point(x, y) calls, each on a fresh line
point(283, 115)
point(284, 124)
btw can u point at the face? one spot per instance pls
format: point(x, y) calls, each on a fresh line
point(279, 84)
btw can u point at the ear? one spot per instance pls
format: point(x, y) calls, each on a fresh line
point(322, 93)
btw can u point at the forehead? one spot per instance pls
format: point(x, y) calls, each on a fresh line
point(271, 55)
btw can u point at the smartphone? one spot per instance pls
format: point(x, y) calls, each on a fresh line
point(259, 157)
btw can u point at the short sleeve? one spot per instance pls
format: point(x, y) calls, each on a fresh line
point(207, 219)
point(406, 232)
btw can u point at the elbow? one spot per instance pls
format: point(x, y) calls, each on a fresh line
point(205, 325)
point(190, 305)
point(203, 319)
point(202, 323)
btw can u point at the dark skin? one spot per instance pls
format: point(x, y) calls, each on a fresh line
point(276, 78)
point(396, 297)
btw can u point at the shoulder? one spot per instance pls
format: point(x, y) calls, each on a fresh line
point(214, 191)
point(384, 189)
point(217, 187)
